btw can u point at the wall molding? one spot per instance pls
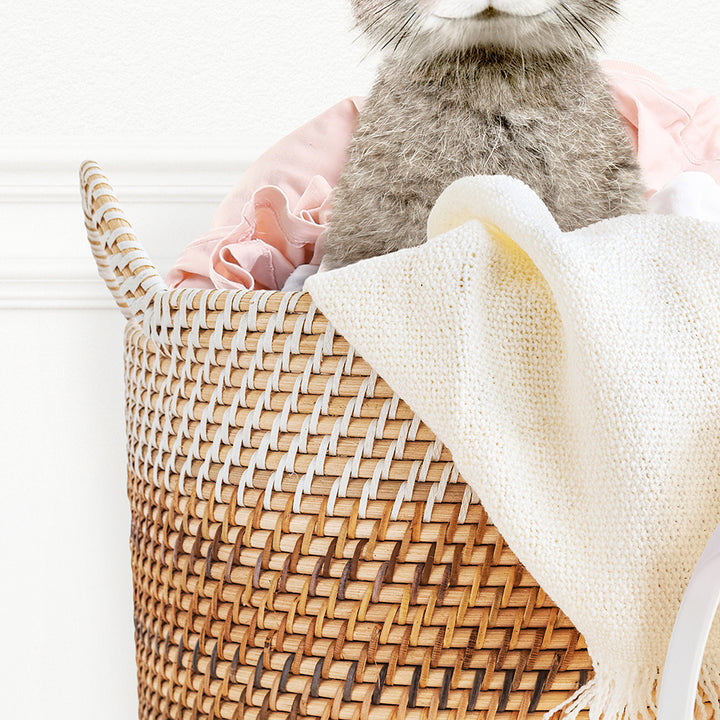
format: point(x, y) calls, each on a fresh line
point(138, 194)
point(28, 283)
point(170, 186)
point(52, 283)
point(213, 155)
point(142, 170)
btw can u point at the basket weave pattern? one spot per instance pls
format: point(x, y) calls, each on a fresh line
point(302, 545)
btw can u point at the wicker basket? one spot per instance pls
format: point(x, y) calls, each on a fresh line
point(302, 545)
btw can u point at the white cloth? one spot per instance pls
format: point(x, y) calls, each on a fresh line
point(575, 377)
point(298, 276)
point(690, 194)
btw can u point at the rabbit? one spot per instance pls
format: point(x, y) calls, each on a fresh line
point(481, 87)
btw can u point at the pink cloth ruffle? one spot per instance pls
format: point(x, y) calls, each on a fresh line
point(273, 220)
point(263, 249)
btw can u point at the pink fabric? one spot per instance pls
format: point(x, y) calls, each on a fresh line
point(261, 251)
point(673, 131)
point(272, 221)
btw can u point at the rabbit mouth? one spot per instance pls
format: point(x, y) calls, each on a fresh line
point(490, 13)
point(486, 14)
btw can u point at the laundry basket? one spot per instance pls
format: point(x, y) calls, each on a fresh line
point(302, 545)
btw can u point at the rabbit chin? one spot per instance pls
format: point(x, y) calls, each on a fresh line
point(536, 32)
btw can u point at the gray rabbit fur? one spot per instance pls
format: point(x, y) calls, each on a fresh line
point(498, 87)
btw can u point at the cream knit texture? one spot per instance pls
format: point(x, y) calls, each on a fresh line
point(575, 377)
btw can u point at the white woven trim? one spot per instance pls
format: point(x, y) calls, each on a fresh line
point(171, 323)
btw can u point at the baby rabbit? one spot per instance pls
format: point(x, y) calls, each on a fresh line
point(491, 87)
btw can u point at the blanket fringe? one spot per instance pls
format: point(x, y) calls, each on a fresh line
point(631, 694)
point(709, 687)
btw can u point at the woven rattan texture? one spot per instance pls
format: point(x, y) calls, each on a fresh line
point(302, 545)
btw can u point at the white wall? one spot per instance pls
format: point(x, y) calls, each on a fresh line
point(173, 99)
point(246, 69)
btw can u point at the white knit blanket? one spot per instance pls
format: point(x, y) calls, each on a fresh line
point(575, 377)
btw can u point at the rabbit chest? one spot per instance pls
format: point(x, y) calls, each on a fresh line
point(556, 129)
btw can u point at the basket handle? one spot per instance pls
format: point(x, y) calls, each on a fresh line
point(121, 259)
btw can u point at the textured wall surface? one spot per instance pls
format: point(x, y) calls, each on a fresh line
point(245, 69)
point(248, 69)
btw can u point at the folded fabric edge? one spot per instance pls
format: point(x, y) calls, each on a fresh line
point(631, 694)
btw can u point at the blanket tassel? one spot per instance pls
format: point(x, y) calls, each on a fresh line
point(631, 694)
